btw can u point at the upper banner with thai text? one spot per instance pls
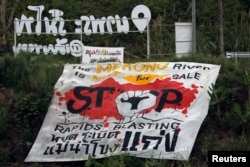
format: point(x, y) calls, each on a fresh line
point(147, 109)
point(94, 54)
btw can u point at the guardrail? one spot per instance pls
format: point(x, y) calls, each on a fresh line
point(237, 55)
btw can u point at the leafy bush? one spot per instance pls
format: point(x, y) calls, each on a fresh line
point(3, 121)
point(33, 77)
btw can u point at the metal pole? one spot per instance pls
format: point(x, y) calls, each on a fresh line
point(194, 26)
point(236, 57)
point(148, 41)
point(15, 38)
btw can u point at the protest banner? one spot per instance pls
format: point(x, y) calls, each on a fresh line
point(147, 109)
point(93, 55)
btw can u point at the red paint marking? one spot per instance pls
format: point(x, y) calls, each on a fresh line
point(138, 143)
point(178, 129)
point(184, 111)
point(194, 86)
point(58, 94)
point(109, 109)
point(106, 123)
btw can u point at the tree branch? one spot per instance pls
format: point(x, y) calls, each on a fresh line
point(10, 20)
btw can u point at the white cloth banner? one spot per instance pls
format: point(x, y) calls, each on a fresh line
point(149, 110)
point(94, 55)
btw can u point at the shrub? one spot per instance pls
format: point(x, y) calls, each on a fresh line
point(33, 77)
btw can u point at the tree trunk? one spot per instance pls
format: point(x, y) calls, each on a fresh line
point(3, 21)
point(221, 45)
point(6, 25)
point(194, 26)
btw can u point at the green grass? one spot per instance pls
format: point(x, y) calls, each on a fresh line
point(32, 77)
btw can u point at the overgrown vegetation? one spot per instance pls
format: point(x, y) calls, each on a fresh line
point(162, 32)
point(27, 83)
